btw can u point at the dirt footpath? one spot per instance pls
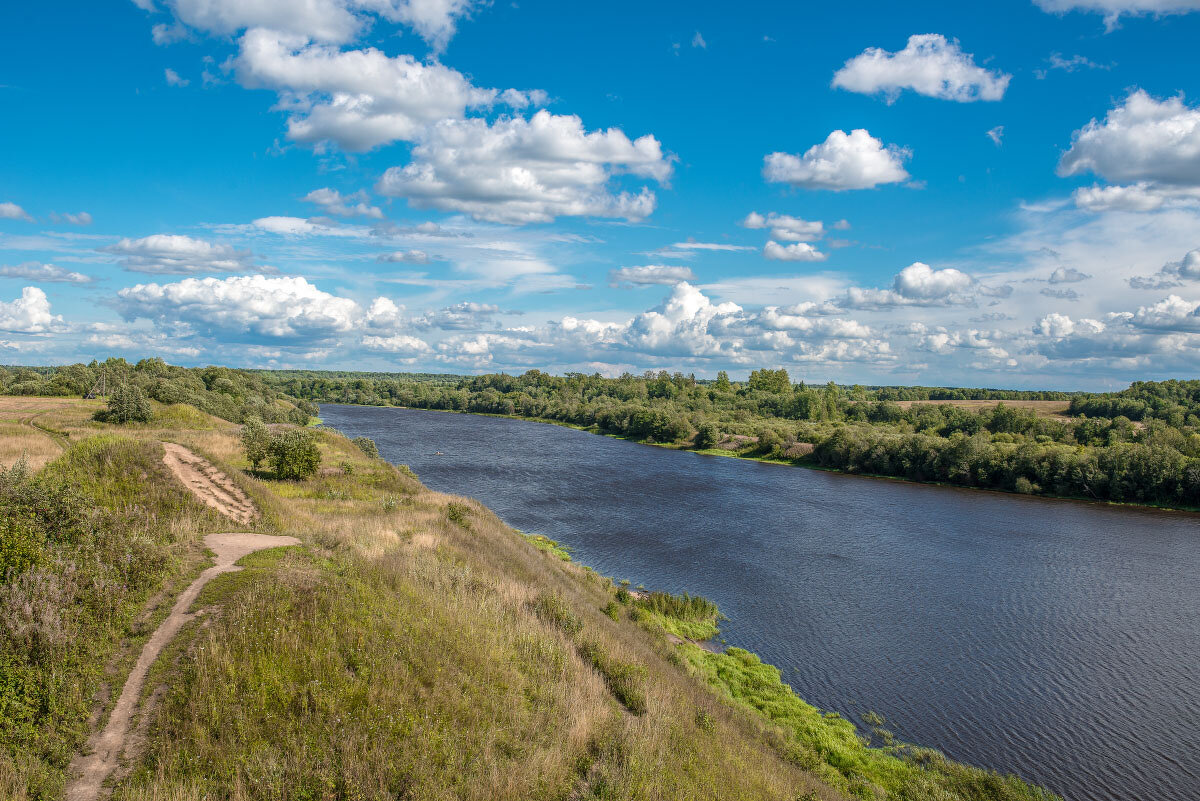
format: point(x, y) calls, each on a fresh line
point(104, 749)
point(209, 484)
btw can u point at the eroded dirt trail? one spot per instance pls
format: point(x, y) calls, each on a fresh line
point(105, 748)
point(209, 484)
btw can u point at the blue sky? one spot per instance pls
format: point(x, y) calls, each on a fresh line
point(1004, 194)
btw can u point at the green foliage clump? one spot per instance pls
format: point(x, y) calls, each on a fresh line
point(691, 617)
point(127, 404)
point(707, 435)
point(294, 454)
point(233, 395)
point(544, 543)
point(367, 446)
point(256, 441)
point(458, 513)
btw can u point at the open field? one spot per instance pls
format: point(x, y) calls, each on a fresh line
point(25, 430)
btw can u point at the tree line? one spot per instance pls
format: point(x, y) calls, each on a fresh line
point(1139, 445)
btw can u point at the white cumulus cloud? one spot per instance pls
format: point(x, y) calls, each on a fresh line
point(797, 251)
point(785, 227)
point(525, 171)
point(929, 65)
point(1113, 10)
point(1141, 140)
point(336, 204)
point(358, 99)
point(28, 314)
point(854, 160)
point(1172, 274)
point(242, 307)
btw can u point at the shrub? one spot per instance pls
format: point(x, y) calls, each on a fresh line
point(457, 512)
point(367, 446)
point(128, 404)
point(294, 454)
point(613, 610)
point(707, 436)
point(1025, 486)
point(256, 441)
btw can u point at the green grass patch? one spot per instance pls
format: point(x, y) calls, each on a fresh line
point(544, 543)
point(690, 617)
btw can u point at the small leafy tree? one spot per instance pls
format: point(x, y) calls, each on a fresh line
point(128, 404)
point(707, 436)
point(294, 454)
point(367, 446)
point(256, 441)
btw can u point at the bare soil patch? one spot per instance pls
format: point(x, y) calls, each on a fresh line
point(209, 484)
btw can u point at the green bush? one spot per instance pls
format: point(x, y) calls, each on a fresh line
point(367, 446)
point(294, 454)
point(457, 513)
point(256, 441)
point(707, 436)
point(128, 404)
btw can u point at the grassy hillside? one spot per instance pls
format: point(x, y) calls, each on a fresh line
point(413, 647)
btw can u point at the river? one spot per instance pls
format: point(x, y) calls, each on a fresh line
point(1056, 640)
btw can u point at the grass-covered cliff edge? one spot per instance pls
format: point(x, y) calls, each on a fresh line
point(412, 647)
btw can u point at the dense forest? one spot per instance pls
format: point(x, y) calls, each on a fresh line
point(1140, 445)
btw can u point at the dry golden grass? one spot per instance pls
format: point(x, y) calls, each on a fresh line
point(19, 440)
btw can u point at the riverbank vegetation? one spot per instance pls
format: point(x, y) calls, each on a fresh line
point(412, 647)
point(1141, 445)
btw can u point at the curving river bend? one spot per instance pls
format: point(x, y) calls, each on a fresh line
point(1056, 640)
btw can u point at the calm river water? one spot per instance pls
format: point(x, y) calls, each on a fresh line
point(1056, 640)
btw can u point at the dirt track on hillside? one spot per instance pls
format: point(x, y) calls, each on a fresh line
point(104, 749)
point(209, 484)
